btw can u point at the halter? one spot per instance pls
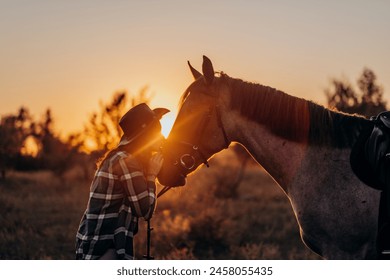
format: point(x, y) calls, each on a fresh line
point(187, 161)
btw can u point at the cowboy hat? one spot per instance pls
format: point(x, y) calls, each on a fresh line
point(138, 120)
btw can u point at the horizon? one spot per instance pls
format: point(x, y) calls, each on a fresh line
point(69, 56)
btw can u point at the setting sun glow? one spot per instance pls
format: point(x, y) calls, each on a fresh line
point(30, 147)
point(68, 56)
point(167, 123)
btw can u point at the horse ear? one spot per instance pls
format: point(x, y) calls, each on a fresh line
point(194, 72)
point(208, 70)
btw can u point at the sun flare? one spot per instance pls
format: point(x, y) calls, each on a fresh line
point(167, 123)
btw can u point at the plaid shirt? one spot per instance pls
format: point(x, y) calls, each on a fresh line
point(119, 195)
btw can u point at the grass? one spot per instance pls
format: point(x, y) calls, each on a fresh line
point(39, 217)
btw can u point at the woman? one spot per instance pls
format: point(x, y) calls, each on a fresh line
point(123, 189)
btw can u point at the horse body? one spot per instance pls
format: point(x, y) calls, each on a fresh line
point(337, 214)
point(303, 146)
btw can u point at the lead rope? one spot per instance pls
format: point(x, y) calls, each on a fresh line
point(149, 229)
point(148, 242)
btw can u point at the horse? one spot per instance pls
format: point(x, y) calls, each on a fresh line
point(304, 146)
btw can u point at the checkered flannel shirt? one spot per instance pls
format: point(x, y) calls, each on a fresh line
point(119, 194)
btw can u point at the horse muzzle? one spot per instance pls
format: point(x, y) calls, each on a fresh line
point(168, 176)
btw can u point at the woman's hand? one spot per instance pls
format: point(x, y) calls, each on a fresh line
point(155, 164)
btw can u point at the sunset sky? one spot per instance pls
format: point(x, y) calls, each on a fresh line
point(67, 55)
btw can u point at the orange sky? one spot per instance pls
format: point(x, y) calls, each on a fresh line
point(68, 55)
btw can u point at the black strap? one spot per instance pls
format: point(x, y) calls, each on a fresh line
point(149, 229)
point(219, 119)
point(164, 190)
point(148, 242)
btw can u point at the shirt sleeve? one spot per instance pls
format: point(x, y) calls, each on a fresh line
point(141, 192)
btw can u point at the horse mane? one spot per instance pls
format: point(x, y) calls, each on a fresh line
point(291, 117)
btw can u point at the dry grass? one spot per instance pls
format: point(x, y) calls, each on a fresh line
point(39, 216)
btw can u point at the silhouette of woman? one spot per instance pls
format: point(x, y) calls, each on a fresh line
point(123, 189)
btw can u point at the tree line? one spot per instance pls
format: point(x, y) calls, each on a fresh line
point(102, 132)
point(20, 130)
point(368, 100)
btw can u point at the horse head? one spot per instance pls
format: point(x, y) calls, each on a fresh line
point(197, 132)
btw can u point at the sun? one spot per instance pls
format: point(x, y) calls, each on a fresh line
point(166, 123)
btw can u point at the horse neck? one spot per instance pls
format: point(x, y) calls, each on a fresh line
point(278, 156)
point(278, 129)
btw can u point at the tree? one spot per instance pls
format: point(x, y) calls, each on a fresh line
point(344, 98)
point(54, 154)
point(100, 134)
point(103, 132)
point(14, 130)
point(372, 102)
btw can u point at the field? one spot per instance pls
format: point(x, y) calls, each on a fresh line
point(206, 219)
